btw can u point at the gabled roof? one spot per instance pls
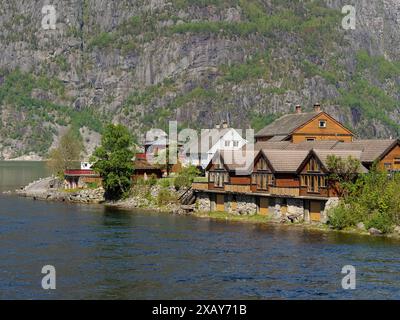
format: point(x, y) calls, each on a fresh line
point(287, 161)
point(371, 149)
point(203, 142)
point(285, 125)
point(305, 145)
point(309, 145)
point(344, 154)
point(268, 145)
point(238, 161)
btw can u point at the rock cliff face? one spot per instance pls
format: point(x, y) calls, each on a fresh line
point(199, 62)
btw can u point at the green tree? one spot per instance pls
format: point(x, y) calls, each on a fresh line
point(343, 173)
point(68, 153)
point(113, 161)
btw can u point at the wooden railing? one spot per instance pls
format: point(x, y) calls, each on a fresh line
point(237, 188)
point(200, 185)
point(292, 192)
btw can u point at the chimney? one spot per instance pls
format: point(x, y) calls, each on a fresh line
point(225, 124)
point(298, 109)
point(317, 107)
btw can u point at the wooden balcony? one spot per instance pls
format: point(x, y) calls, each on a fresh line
point(237, 188)
point(200, 185)
point(291, 192)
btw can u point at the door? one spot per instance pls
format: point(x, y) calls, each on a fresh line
point(220, 202)
point(264, 206)
point(315, 211)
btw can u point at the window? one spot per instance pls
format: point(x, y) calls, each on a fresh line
point(396, 160)
point(236, 143)
point(219, 178)
point(313, 165)
point(262, 164)
point(311, 139)
point(263, 180)
point(314, 183)
point(322, 123)
point(388, 165)
point(227, 143)
point(322, 182)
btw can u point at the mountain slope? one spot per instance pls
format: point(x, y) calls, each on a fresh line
point(144, 62)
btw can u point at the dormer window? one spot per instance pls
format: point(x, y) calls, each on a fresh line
point(236, 143)
point(227, 143)
point(322, 123)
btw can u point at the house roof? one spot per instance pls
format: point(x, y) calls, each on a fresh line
point(268, 145)
point(344, 154)
point(163, 141)
point(235, 160)
point(305, 145)
point(286, 124)
point(285, 160)
point(371, 149)
point(204, 141)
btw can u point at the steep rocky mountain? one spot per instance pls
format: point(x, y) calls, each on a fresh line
point(196, 61)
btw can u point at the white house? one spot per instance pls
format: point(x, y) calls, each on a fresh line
point(200, 153)
point(86, 165)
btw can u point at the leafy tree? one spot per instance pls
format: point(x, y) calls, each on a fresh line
point(68, 153)
point(113, 161)
point(372, 199)
point(343, 173)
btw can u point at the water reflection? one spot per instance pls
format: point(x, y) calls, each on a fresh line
point(100, 252)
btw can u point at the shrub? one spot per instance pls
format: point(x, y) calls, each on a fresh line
point(341, 217)
point(380, 221)
point(165, 197)
point(165, 183)
point(182, 182)
point(152, 180)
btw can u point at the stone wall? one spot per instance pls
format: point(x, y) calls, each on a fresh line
point(246, 205)
point(203, 202)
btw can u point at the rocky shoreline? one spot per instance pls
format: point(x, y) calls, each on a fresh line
point(147, 198)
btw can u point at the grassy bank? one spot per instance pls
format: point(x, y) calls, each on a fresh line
point(259, 219)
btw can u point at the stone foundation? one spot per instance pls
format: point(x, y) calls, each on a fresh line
point(203, 202)
point(280, 209)
point(246, 205)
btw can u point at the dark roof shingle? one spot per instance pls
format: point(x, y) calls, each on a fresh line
point(286, 124)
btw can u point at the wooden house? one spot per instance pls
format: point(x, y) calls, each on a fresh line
point(305, 126)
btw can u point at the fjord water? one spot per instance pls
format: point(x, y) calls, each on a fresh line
point(105, 253)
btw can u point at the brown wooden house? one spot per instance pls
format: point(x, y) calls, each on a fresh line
point(314, 173)
point(305, 126)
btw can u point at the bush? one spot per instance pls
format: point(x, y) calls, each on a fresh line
point(165, 183)
point(182, 182)
point(152, 180)
point(341, 217)
point(380, 221)
point(165, 197)
point(373, 199)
